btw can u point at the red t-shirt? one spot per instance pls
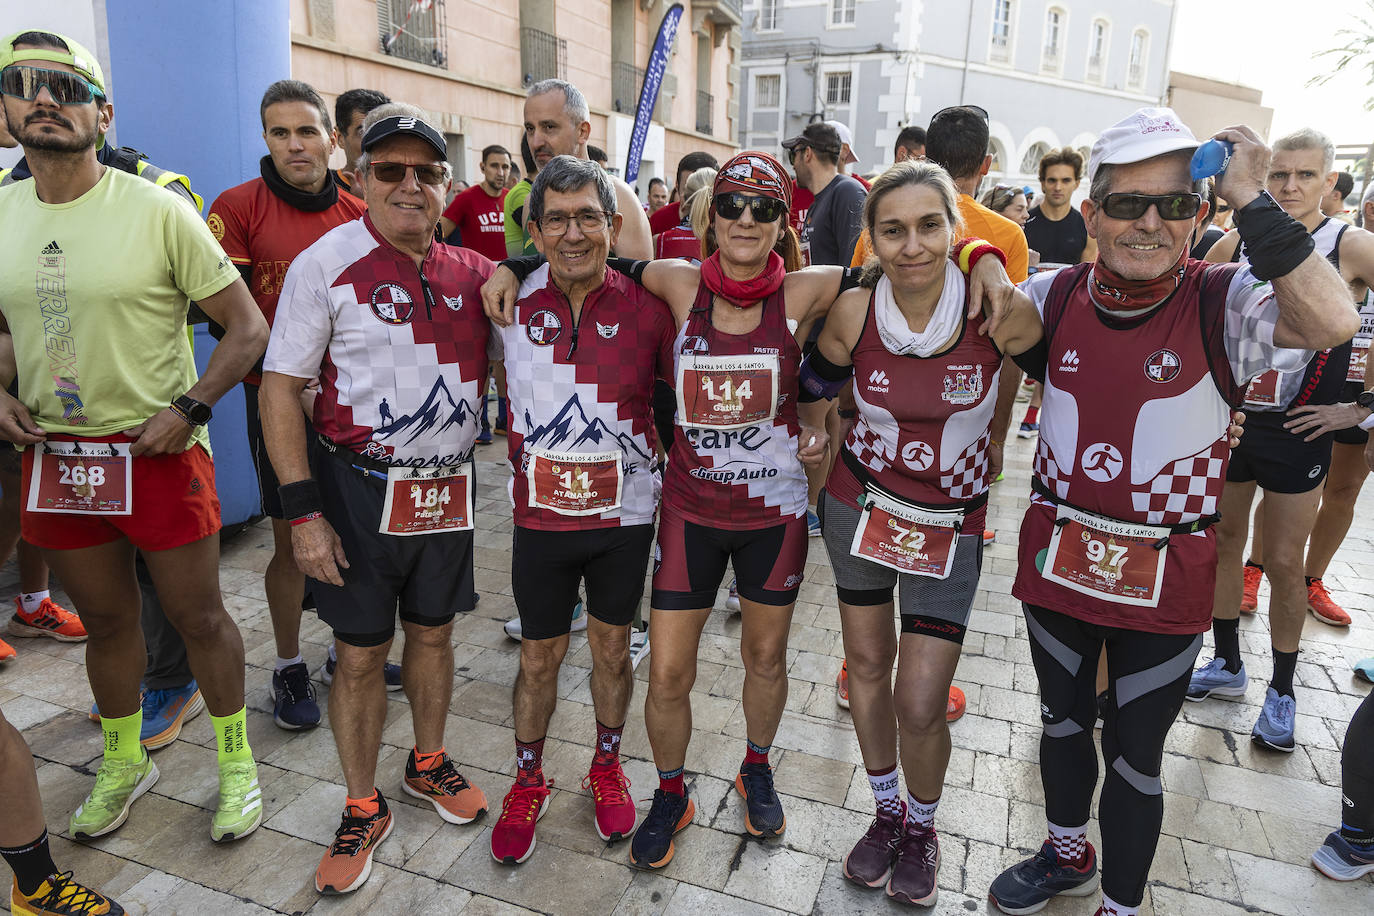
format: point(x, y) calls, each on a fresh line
point(665, 218)
point(801, 202)
point(258, 229)
point(481, 221)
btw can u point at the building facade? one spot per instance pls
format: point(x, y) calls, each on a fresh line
point(468, 63)
point(1051, 73)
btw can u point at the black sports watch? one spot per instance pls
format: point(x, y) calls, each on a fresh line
point(192, 411)
point(1366, 400)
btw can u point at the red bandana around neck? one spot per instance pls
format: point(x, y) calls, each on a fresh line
point(1112, 292)
point(743, 293)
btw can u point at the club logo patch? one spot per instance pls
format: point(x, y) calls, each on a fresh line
point(918, 455)
point(454, 303)
point(543, 328)
point(392, 304)
point(607, 330)
point(1102, 462)
point(1163, 366)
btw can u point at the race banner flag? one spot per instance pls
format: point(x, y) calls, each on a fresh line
point(648, 95)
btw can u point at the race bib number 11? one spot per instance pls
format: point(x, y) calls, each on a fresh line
point(427, 501)
point(81, 478)
point(574, 483)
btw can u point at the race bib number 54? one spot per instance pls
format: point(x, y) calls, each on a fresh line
point(1114, 561)
point(81, 478)
point(725, 392)
point(427, 501)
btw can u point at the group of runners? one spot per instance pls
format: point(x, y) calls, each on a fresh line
point(365, 403)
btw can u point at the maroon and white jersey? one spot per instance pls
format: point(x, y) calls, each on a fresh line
point(585, 386)
point(923, 428)
point(678, 242)
point(747, 475)
point(401, 352)
point(1134, 422)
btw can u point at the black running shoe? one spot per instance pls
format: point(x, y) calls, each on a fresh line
point(652, 846)
point(1027, 886)
point(764, 817)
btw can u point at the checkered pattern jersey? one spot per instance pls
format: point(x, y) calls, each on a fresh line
point(923, 427)
point(400, 352)
point(744, 478)
point(586, 386)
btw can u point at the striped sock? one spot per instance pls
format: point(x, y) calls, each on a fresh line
point(887, 791)
point(920, 813)
point(1070, 844)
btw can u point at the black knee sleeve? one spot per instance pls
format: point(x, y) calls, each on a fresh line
point(1357, 778)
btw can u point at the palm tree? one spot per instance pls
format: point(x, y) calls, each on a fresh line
point(1356, 53)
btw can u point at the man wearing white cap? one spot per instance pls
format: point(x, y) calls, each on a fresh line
point(847, 157)
point(1145, 353)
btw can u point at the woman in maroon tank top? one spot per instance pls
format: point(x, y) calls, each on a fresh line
point(904, 505)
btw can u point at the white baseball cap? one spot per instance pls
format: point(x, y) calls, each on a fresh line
point(1144, 134)
point(846, 138)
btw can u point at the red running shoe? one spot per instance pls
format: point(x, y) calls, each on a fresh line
point(512, 839)
point(957, 703)
point(7, 652)
point(51, 619)
point(1249, 596)
point(1323, 608)
point(615, 812)
point(842, 686)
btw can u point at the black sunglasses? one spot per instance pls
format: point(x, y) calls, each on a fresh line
point(982, 112)
point(23, 82)
point(1180, 205)
point(395, 173)
point(765, 209)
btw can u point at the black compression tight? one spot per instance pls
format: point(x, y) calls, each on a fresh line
point(1148, 678)
point(1357, 776)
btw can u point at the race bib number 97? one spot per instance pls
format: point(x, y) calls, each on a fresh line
point(81, 478)
point(1114, 561)
point(726, 392)
point(427, 501)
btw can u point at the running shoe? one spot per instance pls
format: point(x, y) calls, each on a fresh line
point(6, 652)
point(240, 802)
point(842, 686)
point(348, 860)
point(763, 815)
point(1339, 860)
point(869, 863)
point(51, 620)
point(1323, 608)
point(1212, 679)
point(166, 711)
point(457, 800)
point(512, 839)
point(391, 673)
point(954, 709)
point(1028, 885)
point(652, 845)
point(918, 863)
point(59, 895)
point(732, 598)
point(484, 437)
point(615, 811)
point(1249, 593)
point(639, 647)
point(989, 536)
point(118, 784)
point(1274, 729)
point(813, 524)
point(293, 698)
point(579, 623)
point(1028, 430)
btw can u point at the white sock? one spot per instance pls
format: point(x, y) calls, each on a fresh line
point(333, 653)
point(920, 814)
point(1070, 843)
point(283, 663)
point(31, 601)
point(887, 791)
point(1111, 908)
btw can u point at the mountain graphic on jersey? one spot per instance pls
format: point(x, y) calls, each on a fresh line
point(436, 415)
point(572, 427)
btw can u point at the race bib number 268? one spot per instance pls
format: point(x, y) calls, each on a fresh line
point(81, 478)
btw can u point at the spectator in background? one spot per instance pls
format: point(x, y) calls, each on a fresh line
point(1213, 231)
point(1333, 202)
point(671, 215)
point(847, 157)
point(349, 110)
point(513, 178)
point(911, 144)
point(517, 239)
point(684, 239)
point(836, 215)
point(598, 155)
point(658, 195)
point(476, 218)
point(1055, 228)
point(1009, 201)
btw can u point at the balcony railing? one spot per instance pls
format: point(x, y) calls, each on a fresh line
point(412, 33)
point(1049, 60)
point(542, 56)
point(705, 111)
point(626, 82)
point(1094, 69)
point(1001, 49)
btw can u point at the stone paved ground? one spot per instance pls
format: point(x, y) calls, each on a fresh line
point(1239, 823)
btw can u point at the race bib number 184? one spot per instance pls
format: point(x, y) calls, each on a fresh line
point(427, 501)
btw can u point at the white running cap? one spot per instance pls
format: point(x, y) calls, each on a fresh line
point(846, 138)
point(1144, 134)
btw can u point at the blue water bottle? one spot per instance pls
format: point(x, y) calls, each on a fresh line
point(1210, 159)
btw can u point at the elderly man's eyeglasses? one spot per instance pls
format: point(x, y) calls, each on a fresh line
point(66, 88)
point(587, 221)
point(395, 173)
point(1181, 205)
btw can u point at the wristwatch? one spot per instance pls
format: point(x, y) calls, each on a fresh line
point(192, 411)
point(1366, 400)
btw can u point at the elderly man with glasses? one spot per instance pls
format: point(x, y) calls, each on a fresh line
point(391, 324)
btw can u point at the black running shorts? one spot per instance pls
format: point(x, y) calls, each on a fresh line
point(689, 562)
point(267, 478)
point(546, 567)
point(429, 576)
point(1277, 460)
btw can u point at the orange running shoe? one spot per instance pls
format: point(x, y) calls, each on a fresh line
point(6, 652)
point(957, 704)
point(842, 686)
point(1323, 608)
point(348, 860)
point(51, 619)
point(1249, 596)
point(457, 800)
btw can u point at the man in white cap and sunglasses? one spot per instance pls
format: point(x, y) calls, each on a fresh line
point(1144, 354)
point(391, 323)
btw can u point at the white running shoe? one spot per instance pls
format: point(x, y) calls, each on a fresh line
point(579, 623)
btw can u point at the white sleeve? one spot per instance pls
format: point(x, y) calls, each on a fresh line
point(304, 323)
point(1251, 314)
point(1037, 286)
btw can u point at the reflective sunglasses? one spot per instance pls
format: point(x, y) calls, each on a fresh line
point(22, 82)
point(1180, 205)
point(395, 173)
point(765, 209)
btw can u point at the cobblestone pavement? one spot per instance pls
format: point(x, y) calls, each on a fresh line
point(1239, 823)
